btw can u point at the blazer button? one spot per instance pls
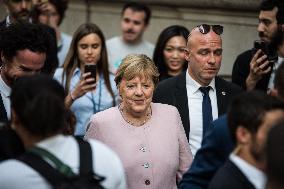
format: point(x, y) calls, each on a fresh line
point(143, 149)
point(147, 182)
point(146, 165)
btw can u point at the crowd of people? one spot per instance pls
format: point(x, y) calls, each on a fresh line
point(153, 116)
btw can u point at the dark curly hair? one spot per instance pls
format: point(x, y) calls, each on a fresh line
point(20, 36)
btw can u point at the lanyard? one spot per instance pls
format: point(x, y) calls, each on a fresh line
point(97, 107)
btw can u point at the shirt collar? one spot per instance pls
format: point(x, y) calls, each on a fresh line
point(254, 175)
point(77, 72)
point(9, 22)
point(194, 85)
point(5, 89)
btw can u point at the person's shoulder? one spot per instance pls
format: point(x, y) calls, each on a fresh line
point(111, 76)
point(58, 74)
point(171, 82)
point(244, 57)
point(164, 108)
point(102, 150)
point(66, 37)
point(148, 44)
point(9, 172)
point(229, 85)
point(103, 116)
point(114, 39)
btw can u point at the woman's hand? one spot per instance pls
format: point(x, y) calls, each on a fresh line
point(86, 84)
point(258, 68)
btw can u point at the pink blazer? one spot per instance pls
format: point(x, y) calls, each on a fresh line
point(154, 155)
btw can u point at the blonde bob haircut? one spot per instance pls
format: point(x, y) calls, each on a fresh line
point(134, 65)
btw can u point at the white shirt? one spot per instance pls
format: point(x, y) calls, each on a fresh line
point(117, 49)
point(105, 163)
point(5, 91)
point(195, 98)
point(254, 175)
point(272, 76)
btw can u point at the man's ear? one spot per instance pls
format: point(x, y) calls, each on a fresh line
point(187, 54)
point(243, 135)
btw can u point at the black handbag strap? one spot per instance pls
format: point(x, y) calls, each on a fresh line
point(52, 175)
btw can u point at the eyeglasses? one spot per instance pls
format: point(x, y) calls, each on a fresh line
point(205, 28)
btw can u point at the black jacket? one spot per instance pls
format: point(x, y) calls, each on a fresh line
point(172, 91)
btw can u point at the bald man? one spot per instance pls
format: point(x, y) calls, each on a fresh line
point(186, 91)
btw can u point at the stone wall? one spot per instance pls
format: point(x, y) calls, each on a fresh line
point(239, 18)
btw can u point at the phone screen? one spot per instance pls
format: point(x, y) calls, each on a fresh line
point(92, 69)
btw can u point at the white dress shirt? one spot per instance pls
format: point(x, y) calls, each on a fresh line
point(195, 98)
point(5, 92)
point(272, 76)
point(255, 176)
point(105, 163)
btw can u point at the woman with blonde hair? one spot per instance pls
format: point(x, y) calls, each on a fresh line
point(87, 95)
point(148, 137)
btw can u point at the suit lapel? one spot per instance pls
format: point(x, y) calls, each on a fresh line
point(222, 96)
point(181, 101)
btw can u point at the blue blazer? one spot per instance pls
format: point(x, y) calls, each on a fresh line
point(215, 150)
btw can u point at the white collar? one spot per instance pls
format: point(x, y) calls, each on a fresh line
point(194, 85)
point(9, 22)
point(5, 89)
point(254, 175)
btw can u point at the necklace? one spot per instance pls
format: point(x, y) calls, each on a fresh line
point(148, 116)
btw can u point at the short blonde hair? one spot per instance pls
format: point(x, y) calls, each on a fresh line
point(134, 65)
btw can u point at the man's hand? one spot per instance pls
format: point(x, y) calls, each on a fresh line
point(258, 68)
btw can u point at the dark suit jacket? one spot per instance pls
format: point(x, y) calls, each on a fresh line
point(241, 70)
point(11, 145)
point(3, 113)
point(215, 149)
point(230, 177)
point(172, 91)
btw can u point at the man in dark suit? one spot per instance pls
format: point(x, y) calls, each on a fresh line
point(250, 117)
point(251, 71)
point(217, 145)
point(204, 56)
point(23, 48)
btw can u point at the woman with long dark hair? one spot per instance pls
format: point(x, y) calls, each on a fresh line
point(169, 51)
point(87, 95)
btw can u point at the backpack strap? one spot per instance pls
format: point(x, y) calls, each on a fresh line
point(34, 159)
point(86, 158)
point(42, 167)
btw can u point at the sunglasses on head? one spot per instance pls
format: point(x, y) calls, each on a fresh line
point(205, 28)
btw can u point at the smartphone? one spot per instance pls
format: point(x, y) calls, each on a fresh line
point(92, 68)
point(270, 52)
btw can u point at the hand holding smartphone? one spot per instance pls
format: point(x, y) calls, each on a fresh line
point(271, 53)
point(92, 68)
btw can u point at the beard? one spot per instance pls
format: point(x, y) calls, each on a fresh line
point(23, 15)
point(277, 39)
